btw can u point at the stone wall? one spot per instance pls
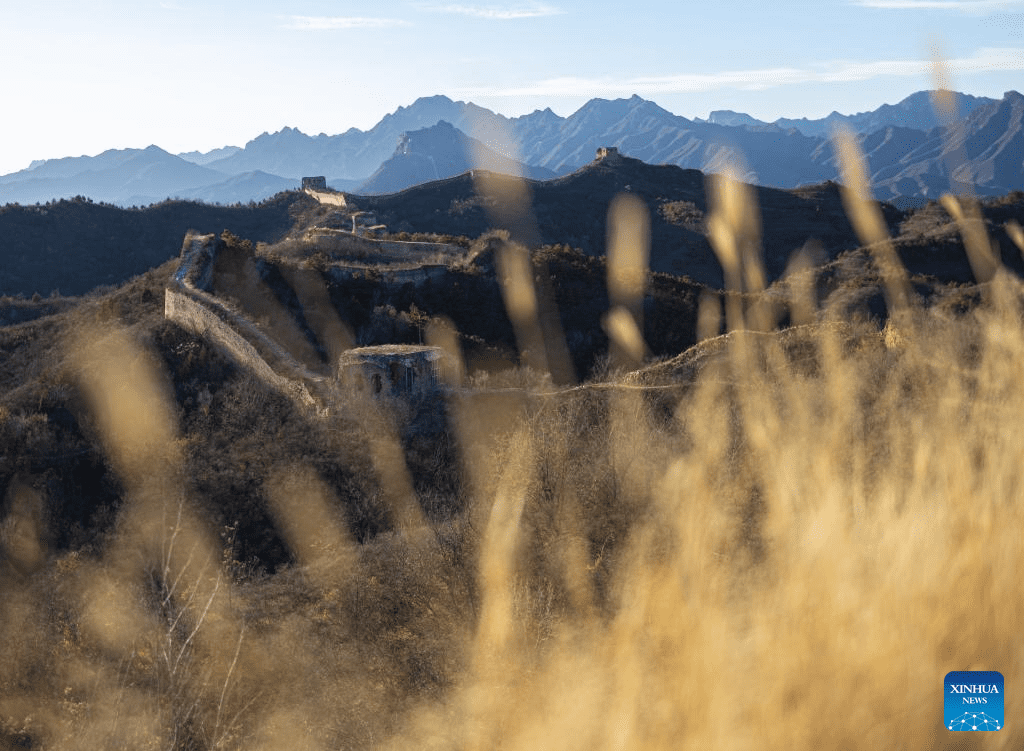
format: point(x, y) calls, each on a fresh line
point(194, 308)
point(408, 374)
point(380, 251)
point(410, 248)
point(390, 277)
point(198, 254)
point(327, 198)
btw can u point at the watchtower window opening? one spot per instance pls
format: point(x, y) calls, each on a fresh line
point(377, 384)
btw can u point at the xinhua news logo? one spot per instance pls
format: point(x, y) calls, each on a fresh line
point(974, 700)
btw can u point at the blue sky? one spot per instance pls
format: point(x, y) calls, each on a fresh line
point(83, 76)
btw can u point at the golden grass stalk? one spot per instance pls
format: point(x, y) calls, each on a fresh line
point(734, 231)
point(1013, 229)
point(629, 239)
point(509, 204)
point(980, 252)
point(709, 316)
point(625, 337)
point(868, 221)
point(441, 332)
point(306, 511)
point(327, 326)
point(516, 276)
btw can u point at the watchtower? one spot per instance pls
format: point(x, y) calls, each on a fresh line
point(407, 376)
point(409, 371)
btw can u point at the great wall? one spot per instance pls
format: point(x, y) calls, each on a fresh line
point(412, 377)
point(190, 302)
point(406, 372)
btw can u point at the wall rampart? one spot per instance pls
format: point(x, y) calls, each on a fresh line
point(328, 199)
point(190, 301)
point(198, 254)
point(412, 249)
point(390, 277)
point(343, 242)
point(193, 307)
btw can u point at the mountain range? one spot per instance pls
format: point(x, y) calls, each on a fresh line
point(909, 153)
point(916, 111)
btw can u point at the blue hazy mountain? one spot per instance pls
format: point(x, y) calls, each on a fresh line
point(986, 150)
point(732, 119)
point(115, 176)
point(248, 186)
point(642, 130)
point(354, 154)
point(915, 112)
point(908, 154)
point(439, 152)
point(201, 157)
point(903, 161)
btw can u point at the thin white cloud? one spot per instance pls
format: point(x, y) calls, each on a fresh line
point(331, 23)
point(970, 6)
point(1013, 23)
point(986, 60)
point(498, 13)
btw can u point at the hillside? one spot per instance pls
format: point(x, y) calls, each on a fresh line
point(220, 403)
point(73, 246)
point(191, 558)
point(573, 210)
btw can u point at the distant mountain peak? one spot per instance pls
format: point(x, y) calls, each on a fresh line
point(730, 118)
point(435, 99)
point(438, 152)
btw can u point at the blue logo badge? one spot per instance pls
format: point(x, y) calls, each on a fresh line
point(973, 700)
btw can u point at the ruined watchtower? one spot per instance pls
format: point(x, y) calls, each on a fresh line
point(314, 183)
point(402, 374)
point(607, 153)
point(408, 371)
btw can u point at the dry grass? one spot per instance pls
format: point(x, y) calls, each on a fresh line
point(793, 556)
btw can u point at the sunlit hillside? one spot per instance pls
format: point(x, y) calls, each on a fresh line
point(783, 538)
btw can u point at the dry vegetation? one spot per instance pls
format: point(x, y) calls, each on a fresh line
point(789, 552)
